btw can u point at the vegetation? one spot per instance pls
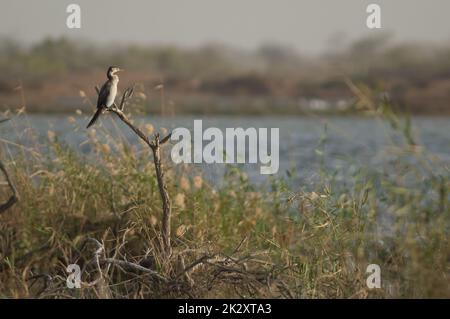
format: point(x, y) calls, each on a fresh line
point(218, 79)
point(236, 239)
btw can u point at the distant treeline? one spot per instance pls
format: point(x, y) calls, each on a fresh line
point(417, 76)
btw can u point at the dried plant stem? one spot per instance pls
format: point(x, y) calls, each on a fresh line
point(15, 195)
point(155, 146)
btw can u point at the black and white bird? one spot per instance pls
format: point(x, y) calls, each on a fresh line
point(107, 93)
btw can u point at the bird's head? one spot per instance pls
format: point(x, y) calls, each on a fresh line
point(113, 70)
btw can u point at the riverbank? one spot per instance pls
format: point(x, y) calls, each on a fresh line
point(235, 239)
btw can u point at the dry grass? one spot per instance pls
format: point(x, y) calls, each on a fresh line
point(236, 240)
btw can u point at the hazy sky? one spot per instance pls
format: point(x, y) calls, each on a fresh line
point(305, 24)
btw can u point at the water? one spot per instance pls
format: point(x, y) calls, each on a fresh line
point(340, 145)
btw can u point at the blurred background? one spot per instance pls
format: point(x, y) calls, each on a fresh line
point(226, 57)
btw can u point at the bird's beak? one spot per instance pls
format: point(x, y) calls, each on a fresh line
point(120, 70)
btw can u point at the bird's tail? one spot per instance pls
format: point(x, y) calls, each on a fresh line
point(94, 118)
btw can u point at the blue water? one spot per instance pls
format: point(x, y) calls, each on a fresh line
point(342, 145)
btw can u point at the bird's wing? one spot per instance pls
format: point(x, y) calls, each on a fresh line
point(103, 95)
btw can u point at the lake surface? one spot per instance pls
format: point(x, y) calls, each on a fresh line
point(341, 145)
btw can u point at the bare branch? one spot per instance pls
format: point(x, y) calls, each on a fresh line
point(155, 146)
point(134, 267)
point(15, 195)
point(166, 139)
point(126, 95)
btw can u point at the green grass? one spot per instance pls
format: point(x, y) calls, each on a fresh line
point(278, 241)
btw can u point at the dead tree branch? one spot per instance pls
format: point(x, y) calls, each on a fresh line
point(15, 195)
point(134, 267)
point(155, 146)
